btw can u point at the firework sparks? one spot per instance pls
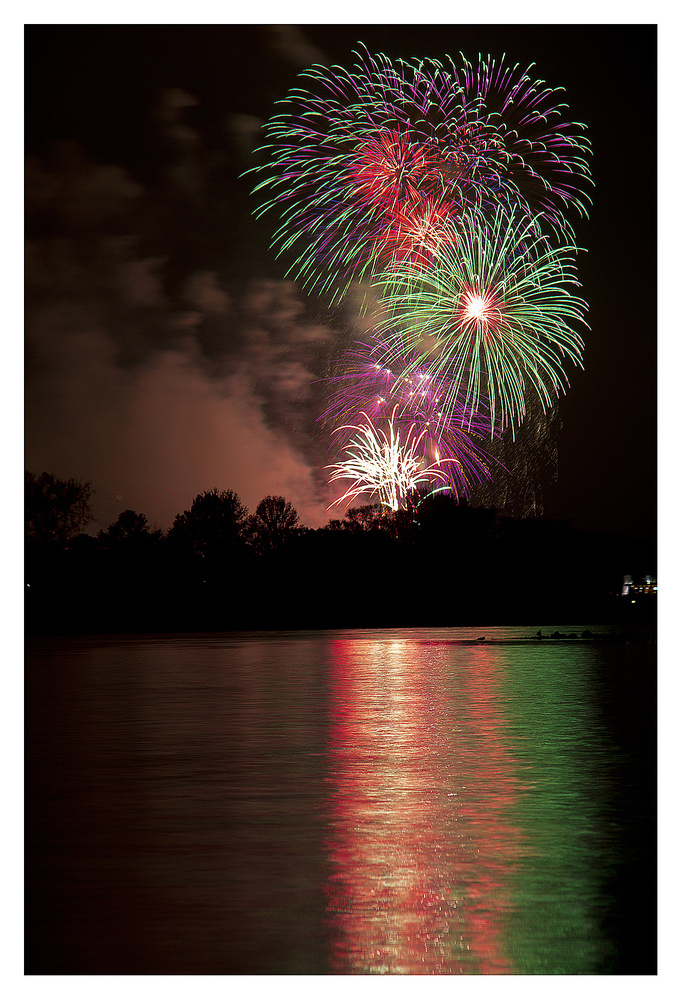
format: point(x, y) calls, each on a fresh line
point(415, 230)
point(380, 465)
point(534, 160)
point(388, 170)
point(445, 186)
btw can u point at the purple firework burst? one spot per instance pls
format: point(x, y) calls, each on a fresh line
point(400, 387)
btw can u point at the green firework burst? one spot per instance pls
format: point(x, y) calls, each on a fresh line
point(495, 312)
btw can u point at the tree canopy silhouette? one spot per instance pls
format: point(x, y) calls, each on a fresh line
point(370, 517)
point(215, 523)
point(440, 561)
point(55, 510)
point(274, 522)
point(129, 528)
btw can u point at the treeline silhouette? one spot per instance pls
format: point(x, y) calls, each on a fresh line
point(219, 568)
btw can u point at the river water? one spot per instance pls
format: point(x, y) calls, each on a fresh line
point(404, 801)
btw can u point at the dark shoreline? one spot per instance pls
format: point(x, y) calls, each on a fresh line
point(635, 633)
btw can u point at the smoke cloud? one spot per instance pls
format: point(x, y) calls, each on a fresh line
point(148, 373)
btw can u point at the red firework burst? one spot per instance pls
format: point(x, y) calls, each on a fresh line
point(390, 169)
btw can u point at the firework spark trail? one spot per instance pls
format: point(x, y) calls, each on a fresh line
point(379, 464)
point(414, 231)
point(544, 159)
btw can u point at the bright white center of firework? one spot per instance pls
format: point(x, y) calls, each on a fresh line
point(476, 307)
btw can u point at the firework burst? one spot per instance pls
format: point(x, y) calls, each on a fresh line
point(491, 316)
point(380, 465)
point(351, 154)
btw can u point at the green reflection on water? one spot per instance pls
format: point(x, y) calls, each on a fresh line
point(554, 926)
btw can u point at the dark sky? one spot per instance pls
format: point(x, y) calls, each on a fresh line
point(165, 354)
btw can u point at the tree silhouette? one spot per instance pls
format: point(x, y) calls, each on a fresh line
point(55, 510)
point(370, 517)
point(214, 525)
point(129, 528)
point(274, 522)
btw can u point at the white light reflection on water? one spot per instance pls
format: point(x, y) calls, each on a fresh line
point(422, 781)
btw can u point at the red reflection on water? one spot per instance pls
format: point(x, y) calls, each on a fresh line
point(422, 778)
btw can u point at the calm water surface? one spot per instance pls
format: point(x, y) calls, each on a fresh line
point(363, 802)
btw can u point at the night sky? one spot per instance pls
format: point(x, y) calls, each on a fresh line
point(165, 352)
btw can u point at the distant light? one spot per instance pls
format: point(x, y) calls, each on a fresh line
point(633, 602)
